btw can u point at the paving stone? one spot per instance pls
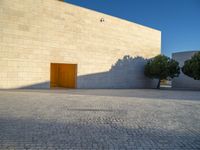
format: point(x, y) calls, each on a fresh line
point(34, 120)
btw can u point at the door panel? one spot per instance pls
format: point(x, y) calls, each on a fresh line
point(54, 75)
point(63, 75)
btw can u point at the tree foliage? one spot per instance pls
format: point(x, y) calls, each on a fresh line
point(162, 67)
point(191, 67)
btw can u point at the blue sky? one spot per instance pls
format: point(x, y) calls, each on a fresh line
point(179, 20)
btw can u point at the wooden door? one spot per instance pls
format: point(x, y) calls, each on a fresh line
point(64, 75)
point(54, 75)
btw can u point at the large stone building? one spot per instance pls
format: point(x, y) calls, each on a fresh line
point(49, 43)
point(183, 81)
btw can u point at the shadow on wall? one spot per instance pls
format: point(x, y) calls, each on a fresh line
point(127, 72)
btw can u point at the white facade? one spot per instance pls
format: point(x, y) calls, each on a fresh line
point(183, 81)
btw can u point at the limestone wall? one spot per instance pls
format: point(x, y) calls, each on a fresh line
point(183, 81)
point(35, 33)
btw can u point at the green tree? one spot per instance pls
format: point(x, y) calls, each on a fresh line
point(161, 67)
point(191, 67)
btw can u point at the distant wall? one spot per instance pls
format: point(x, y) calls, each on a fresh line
point(183, 81)
point(35, 33)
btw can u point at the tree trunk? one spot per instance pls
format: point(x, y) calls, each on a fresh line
point(158, 86)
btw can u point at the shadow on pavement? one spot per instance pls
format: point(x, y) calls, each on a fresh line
point(50, 134)
point(162, 94)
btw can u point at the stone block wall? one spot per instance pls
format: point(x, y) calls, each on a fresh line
point(35, 33)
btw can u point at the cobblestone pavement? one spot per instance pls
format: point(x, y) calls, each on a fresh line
point(91, 119)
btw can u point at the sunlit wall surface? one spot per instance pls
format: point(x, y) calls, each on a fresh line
point(36, 33)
